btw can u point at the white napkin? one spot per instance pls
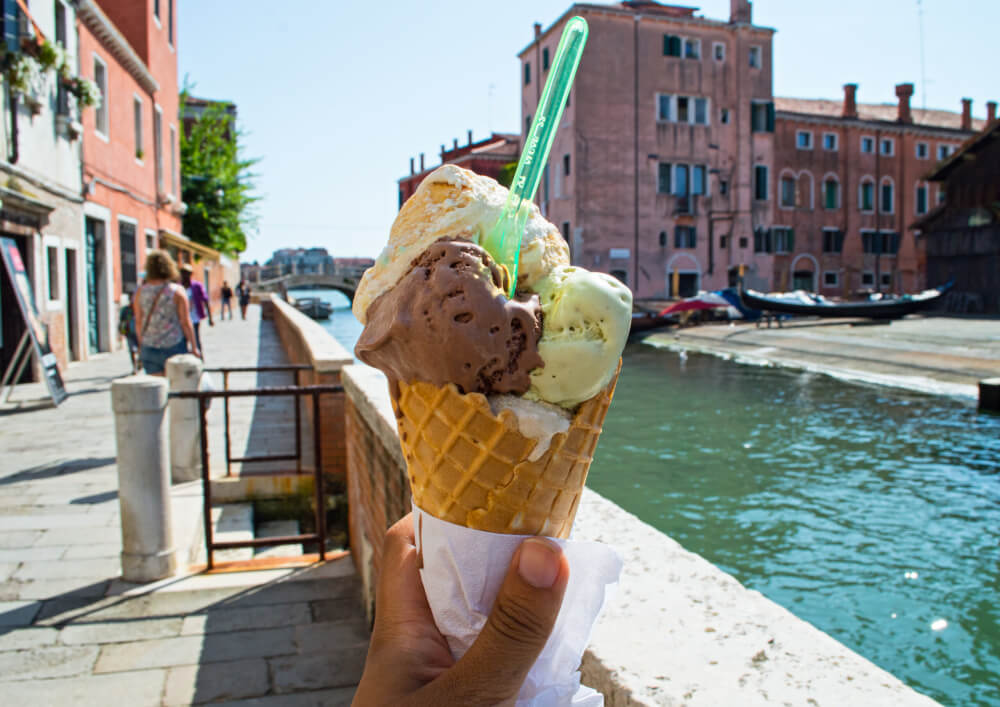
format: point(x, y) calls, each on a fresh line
point(462, 573)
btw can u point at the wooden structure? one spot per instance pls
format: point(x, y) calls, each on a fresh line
point(962, 236)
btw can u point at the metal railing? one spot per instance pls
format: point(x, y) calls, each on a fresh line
point(297, 457)
point(314, 391)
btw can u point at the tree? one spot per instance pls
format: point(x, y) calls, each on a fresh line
point(216, 184)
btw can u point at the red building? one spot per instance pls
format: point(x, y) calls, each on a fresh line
point(487, 157)
point(131, 159)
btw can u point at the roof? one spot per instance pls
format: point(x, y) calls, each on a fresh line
point(105, 31)
point(879, 112)
point(967, 151)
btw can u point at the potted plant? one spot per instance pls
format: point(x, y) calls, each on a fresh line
point(139, 154)
point(86, 91)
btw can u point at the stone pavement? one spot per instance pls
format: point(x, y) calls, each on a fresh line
point(72, 633)
point(941, 355)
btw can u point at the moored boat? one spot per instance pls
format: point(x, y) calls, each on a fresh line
point(314, 307)
point(805, 304)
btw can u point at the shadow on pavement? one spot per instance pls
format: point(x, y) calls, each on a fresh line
point(60, 468)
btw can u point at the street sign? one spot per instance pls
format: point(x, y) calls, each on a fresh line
point(37, 331)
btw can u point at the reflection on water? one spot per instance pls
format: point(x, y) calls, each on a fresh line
point(871, 513)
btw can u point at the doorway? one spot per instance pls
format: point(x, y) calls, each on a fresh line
point(804, 280)
point(12, 325)
point(72, 312)
point(95, 235)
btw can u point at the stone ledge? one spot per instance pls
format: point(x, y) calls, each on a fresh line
point(681, 631)
point(326, 354)
point(368, 390)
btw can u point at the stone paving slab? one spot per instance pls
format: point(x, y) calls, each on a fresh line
point(119, 631)
point(341, 697)
point(141, 688)
point(194, 684)
point(47, 662)
point(315, 672)
point(243, 619)
point(30, 637)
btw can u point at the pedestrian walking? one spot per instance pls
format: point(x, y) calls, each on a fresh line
point(162, 315)
point(126, 328)
point(200, 307)
point(227, 300)
point(243, 292)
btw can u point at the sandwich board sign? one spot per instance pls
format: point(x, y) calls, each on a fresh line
point(36, 331)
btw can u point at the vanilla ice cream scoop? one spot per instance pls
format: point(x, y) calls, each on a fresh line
point(585, 322)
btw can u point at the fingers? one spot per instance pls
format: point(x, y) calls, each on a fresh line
point(523, 615)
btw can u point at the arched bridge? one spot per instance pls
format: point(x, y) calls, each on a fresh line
point(344, 280)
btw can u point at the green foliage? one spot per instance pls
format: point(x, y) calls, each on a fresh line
point(507, 173)
point(216, 184)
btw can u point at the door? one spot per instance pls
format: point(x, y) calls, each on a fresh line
point(95, 258)
point(804, 280)
point(72, 315)
point(11, 320)
point(127, 248)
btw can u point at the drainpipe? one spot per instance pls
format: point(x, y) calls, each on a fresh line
point(635, 150)
point(12, 100)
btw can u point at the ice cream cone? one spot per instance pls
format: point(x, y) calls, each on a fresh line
point(470, 467)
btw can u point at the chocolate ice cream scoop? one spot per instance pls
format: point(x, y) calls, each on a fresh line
point(449, 321)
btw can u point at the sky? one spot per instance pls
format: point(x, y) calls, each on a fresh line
point(335, 96)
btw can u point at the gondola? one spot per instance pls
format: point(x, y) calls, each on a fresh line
point(643, 322)
point(885, 308)
point(314, 307)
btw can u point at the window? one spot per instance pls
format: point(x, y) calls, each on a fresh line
point(880, 242)
point(52, 258)
point(156, 9)
point(663, 103)
point(831, 194)
point(527, 73)
point(830, 278)
point(784, 239)
point(723, 241)
point(886, 279)
point(173, 160)
point(566, 165)
point(698, 185)
point(692, 49)
point(682, 109)
point(762, 117)
point(671, 45)
point(719, 51)
point(151, 239)
point(830, 142)
point(866, 196)
point(755, 60)
point(868, 278)
point(923, 151)
point(60, 24)
point(868, 145)
point(527, 124)
point(621, 276)
point(565, 230)
point(788, 192)
point(126, 240)
point(101, 112)
point(158, 147)
point(663, 178)
point(760, 182)
point(921, 199)
point(723, 187)
point(663, 239)
point(804, 140)
point(681, 180)
point(744, 242)
point(833, 240)
point(685, 237)
point(943, 152)
point(545, 59)
point(701, 111)
point(170, 22)
point(887, 147)
point(724, 116)
point(888, 200)
point(940, 195)
point(137, 123)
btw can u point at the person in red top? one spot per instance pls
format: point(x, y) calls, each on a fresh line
point(198, 299)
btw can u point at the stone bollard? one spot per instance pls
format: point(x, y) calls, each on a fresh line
point(140, 408)
point(989, 394)
point(184, 374)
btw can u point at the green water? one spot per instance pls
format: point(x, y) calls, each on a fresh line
point(874, 514)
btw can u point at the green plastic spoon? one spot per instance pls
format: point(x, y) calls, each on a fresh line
point(504, 240)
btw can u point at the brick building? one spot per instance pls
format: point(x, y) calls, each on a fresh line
point(487, 157)
point(675, 168)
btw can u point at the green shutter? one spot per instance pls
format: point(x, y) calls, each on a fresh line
point(666, 45)
point(770, 117)
point(791, 240)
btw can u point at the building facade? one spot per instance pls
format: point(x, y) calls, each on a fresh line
point(487, 157)
point(676, 169)
point(40, 184)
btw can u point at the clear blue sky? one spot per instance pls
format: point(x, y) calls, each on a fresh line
point(337, 95)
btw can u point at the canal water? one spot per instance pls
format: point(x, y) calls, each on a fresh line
point(870, 512)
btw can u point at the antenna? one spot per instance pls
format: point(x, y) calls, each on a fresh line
point(923, 67)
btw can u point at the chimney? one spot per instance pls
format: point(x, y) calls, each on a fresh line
point(442, 154)
point(850, 100)
point(454, 145)
point(470, 137)
point(991, 111)
point(740, 12)
point(903, 92)
point(966, 114)
point(538, 30)
point(411, 166)
point(421, 161)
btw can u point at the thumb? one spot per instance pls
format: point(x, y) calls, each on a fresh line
point(525, 610)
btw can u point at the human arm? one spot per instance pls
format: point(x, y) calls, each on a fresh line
point(137, 311)
point(409, 662)
point(184, 314)
point(203, 293)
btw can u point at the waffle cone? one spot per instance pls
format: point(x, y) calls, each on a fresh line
point(470, 467)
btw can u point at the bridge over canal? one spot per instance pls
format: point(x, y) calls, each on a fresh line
point(343, 280)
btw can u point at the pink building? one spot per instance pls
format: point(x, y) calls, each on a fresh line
point(668, 131)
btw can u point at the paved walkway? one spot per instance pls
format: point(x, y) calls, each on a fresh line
point(935, 354)
point(72, 633)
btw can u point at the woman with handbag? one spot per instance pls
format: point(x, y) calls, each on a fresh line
point(163, 319)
